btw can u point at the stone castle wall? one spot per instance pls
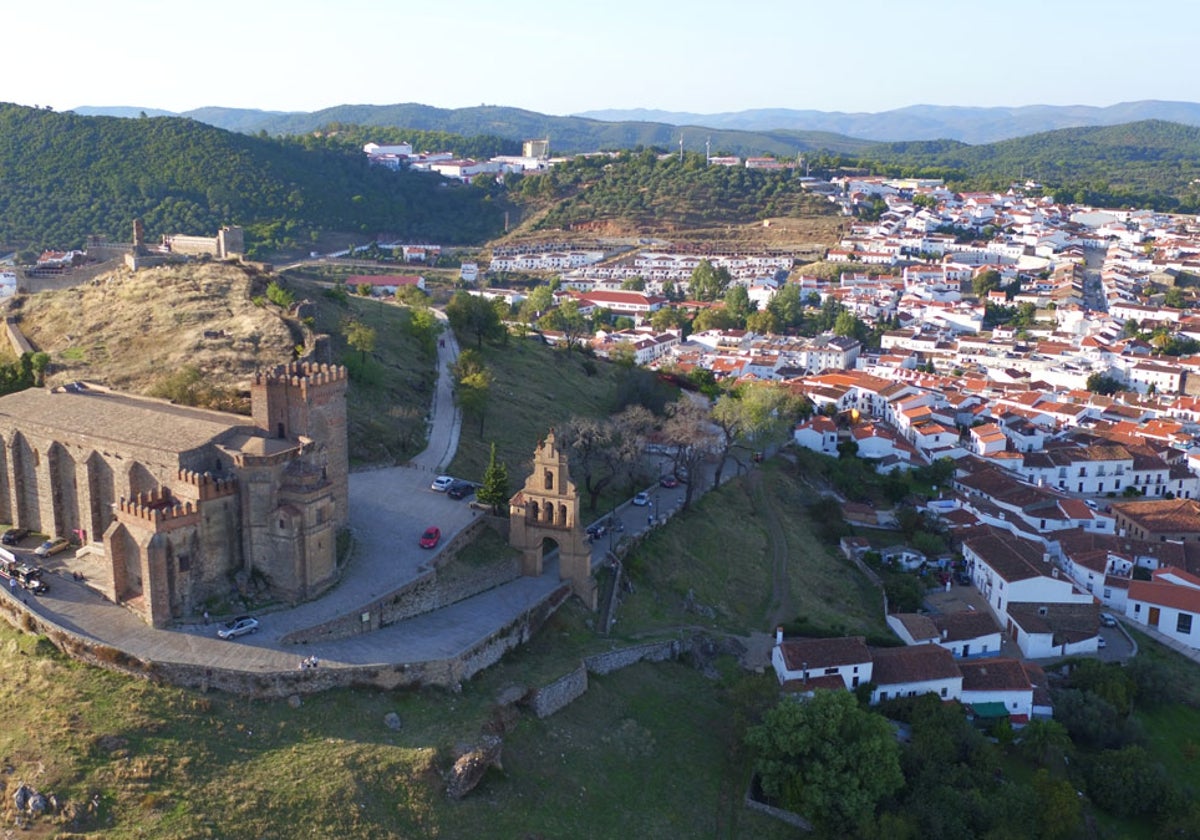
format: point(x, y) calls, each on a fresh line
point(444, 673)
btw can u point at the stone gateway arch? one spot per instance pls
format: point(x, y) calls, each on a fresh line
point(545, 510)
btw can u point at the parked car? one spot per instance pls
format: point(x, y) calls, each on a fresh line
point(1108, 620)
point(430, 538)
point(1101, 642)
point(642, 499)
point(50, 547)
point(460, 490)
point(442, 483)
point(240, 626)
point(669, 481)
point(14, 535)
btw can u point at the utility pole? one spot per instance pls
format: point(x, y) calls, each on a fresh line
point(681, 147)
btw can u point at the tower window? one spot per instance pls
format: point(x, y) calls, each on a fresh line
point(549, 480)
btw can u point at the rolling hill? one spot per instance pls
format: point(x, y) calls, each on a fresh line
point(773, 130)
point(65, 176)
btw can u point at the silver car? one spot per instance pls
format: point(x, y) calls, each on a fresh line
point(240, 626)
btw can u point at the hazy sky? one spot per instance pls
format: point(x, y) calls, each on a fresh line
point(569, 56)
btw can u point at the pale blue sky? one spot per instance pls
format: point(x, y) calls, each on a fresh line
point(565, 57)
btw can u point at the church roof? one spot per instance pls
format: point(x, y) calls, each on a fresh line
point(90, 413)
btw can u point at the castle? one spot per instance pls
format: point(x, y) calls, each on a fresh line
point(171, 503)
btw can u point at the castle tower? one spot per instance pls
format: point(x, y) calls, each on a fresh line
point(306, 402)
point(547, 510)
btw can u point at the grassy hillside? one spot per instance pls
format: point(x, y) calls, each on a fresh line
point(650, 751)
point(144, 332)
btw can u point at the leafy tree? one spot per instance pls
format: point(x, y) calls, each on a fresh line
point(787, 308)
point(39, 361)
point(494, 491)
point(360, 337)
point(568, 320)
point(985, 281)
point(714, 319)
point(1115, 776)
point(849, 326)
point(708, 283)
point(633, 284)
point(755, 413)
point(475, 316)
point(762, 322)
point(737, 303)
point(1044, 742)
point(538, 303)
point(472, 384)
point(1101, 383)
point(1059, 811)
point(1174, 298)
point(827, 759)
point(669, 318)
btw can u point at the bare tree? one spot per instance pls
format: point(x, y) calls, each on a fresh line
point(691, 434)
point(604, 450)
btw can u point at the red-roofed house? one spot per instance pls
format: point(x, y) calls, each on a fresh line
point(818, 434)
point(1168, 603)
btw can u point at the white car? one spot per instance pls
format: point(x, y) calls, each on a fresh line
point(641, 499)
point(442, 483)
point(240, 626)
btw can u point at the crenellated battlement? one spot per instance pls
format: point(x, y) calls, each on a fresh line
point(303, 375)
point(158, 508)
point(207, 485)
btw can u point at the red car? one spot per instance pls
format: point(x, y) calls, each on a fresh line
point(430, 538)
point(669, 481)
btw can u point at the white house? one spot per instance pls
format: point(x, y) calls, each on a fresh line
point(1043, 629)
point(998, 681)
point(1168, 603)
point(1008, 569)
point(919, 669)
point(804, 664)
point(818, 434)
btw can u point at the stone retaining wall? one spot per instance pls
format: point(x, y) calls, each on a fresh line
point(548, 699)
point(568, 688)
point(426, 593)
point(446, 673)
point(16, 339)
point(606, 663)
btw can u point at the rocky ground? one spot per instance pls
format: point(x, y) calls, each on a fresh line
point(132, 331)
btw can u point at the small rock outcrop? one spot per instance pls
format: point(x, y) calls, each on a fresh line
point(471, 767)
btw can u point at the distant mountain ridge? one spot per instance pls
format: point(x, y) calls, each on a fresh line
point(926, 122)
point(765, 130)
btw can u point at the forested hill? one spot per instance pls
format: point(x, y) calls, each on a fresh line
point(64, 176)
point(568, 135)
point(1150, 163)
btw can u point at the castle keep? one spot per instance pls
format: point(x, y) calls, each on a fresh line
point(177, 502)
